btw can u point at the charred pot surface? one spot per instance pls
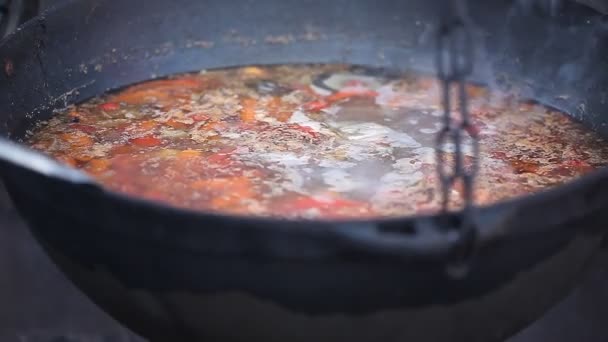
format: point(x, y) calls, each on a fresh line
point(239, 313)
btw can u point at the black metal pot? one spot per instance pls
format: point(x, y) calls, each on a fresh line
point(176, 275)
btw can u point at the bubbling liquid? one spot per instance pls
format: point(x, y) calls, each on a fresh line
point(309, 141)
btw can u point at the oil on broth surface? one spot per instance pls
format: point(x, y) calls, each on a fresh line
point(308, 141)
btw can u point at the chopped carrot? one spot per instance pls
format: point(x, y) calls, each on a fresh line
point(147, 141)
point(109, 106)
point(98, 165)
point(253, 71)
point(248, 111)
point(176, 124)
point(274, 103)
point(343, 95)
point(187, 154)
point(148, 125)
point(160, 90)
point(276, 109)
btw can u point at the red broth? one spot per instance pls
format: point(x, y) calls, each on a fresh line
point(308, 141)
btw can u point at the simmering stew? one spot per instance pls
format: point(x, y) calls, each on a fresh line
point(308, 141)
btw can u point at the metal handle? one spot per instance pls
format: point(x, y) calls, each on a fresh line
point(429, 241)
point(26, 158)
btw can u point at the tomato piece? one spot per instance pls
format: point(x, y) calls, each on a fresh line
point(147, 141)
point(315, 106)
point(109, 106)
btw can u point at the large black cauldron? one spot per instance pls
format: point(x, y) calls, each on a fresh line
point(174, 275)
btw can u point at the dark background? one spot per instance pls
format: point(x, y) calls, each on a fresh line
point(37, 304)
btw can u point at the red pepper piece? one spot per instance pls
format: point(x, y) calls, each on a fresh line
point(198, 117)
point(318, 105)
point(315, 106)
point(109, 106)
point(147, 141)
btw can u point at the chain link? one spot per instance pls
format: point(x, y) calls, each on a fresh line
point(454, 63)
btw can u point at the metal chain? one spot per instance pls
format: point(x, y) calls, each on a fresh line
point(454, 64)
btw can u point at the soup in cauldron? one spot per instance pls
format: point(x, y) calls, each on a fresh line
point(308, 141)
